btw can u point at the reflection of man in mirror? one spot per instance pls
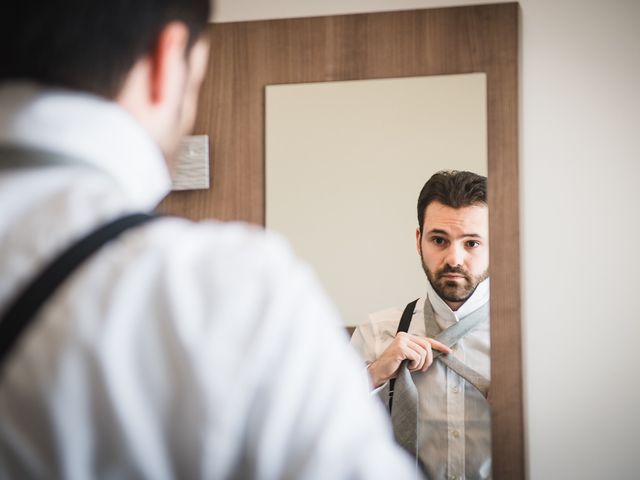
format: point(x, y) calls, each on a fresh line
point(430, 362)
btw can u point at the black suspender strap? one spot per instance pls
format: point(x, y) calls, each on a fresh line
point(403, 326)
point(405, 320)
point(23, 310)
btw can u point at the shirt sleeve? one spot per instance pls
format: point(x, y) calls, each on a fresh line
point(364, 341)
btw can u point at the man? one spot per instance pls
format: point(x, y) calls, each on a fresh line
point(179, 349)
point(453, 419)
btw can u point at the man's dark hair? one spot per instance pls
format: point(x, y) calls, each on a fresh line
point(454, 189)
point(87, 45)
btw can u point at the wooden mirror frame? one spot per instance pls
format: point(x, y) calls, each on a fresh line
point(247, 56)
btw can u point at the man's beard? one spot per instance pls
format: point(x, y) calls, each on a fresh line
point(453, 290)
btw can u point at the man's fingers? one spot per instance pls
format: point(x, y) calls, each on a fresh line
point(422, 355)
point(426, 342)
point(415, 349)
point(418, 350)
point(438, 346)
point(413, 357)
point(422, 341)
point(429, 359)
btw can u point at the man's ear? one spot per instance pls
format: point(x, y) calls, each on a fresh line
point(167, 61)
point(418, 240)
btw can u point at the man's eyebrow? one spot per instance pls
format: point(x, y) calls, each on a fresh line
point(438, 231)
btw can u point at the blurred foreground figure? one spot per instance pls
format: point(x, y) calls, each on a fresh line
point(179, 349)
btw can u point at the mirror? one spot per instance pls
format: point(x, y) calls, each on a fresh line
point(345, 162)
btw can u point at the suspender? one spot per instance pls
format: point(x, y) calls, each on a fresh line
point(405, 321)
point(20, 314)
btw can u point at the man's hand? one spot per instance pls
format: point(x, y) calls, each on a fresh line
point(417, 350)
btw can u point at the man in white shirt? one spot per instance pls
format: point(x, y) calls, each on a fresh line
point(180, 349)
point(453, 430)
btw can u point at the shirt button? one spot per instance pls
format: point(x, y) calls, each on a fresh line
point(456, 389)
point(456, 433)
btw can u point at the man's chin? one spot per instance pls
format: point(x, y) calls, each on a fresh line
point(454, 293)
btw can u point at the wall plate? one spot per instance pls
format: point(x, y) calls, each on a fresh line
point(192, 165)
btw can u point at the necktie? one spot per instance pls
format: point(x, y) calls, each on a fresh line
point(450, 337)
point(404, 398)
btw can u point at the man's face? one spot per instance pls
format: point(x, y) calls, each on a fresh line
point(454, 249)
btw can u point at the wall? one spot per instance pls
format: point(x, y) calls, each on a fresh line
point(580, 158)
point(580, 167)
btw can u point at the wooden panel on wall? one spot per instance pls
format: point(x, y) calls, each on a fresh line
point(247, 56)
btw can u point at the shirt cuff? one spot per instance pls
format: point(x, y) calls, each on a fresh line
point(372, 389)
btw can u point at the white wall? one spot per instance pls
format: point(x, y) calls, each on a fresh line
point(580, 161)
point(580, 167)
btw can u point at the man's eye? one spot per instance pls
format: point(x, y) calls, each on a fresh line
point(473, 244)
point(438, 240)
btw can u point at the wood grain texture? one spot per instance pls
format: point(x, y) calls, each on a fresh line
point(247, 56)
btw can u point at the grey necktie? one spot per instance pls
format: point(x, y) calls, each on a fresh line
point(404, 414)
point(450, 337)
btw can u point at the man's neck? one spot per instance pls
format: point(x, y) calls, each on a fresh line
point(72, 124)
point(453, 305)
point(459, 309)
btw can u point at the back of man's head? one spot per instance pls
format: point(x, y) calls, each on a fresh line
point(87, 45)
point(455, 189)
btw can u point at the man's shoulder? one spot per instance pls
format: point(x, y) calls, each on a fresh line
point(386, 321)
point(393, 314)
point(230, 254)
point(211, 239)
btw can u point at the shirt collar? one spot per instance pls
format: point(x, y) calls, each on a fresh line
point(96, 131)
point(477, 299)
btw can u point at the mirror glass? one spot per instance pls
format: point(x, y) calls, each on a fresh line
point(345, 162)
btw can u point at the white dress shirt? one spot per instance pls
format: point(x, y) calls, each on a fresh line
point(182, 350)
point(454, 429)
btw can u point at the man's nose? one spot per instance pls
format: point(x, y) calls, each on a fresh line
point(455, 255)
